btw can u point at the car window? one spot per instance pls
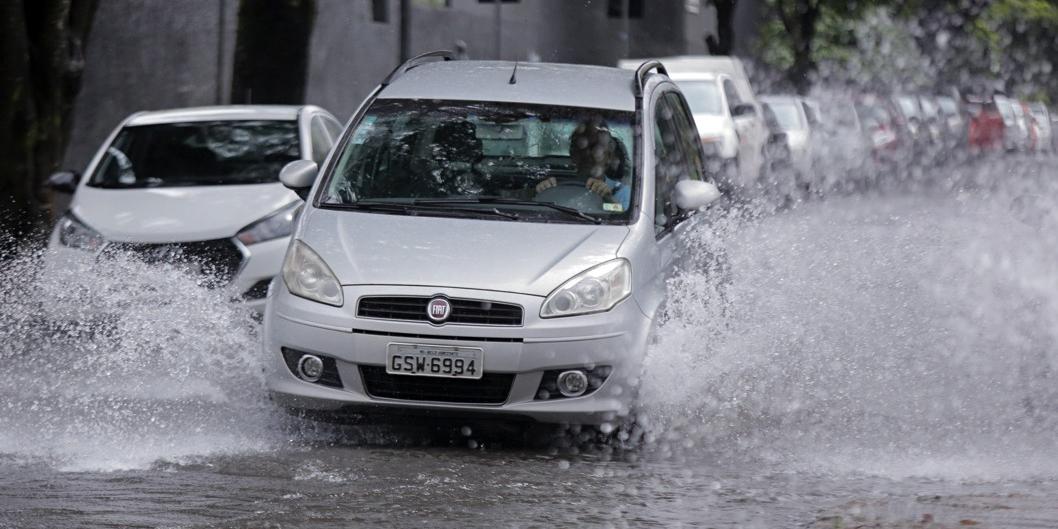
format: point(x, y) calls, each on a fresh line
point(787, 114)
point(948, 105)
point(702, 96)
point(733, 99)
point(810, 114)
point(688, 136)
point(908, 106)
point(198, 153)
point(669, 163)
point(321, 139)
point(408, 151)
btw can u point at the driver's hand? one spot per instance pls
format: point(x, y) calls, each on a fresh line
point(546, 183)
point(599, 187)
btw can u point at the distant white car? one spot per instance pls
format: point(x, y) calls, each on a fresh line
point(726, 112)
point(196, 187)
point(791, 119)
point(1044, 128)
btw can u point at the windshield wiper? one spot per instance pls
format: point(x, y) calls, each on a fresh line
point(510, 202)
point(411, 209)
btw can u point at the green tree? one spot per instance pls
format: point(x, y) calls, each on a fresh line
point(42, 58)
point(800, 34)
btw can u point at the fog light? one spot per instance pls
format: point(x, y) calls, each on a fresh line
point(310, 368)
point(572, 383)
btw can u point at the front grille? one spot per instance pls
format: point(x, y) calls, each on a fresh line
point(437, 337)
point(466, 311)
point(491, 388)
point(218, 260)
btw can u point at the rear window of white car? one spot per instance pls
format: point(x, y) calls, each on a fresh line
point(198, 153)
point(702, 96)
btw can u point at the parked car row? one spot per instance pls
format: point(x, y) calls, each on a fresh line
point(785, 143)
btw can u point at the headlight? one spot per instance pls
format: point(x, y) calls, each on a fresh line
point(307, 276)
point(597, 289)
point(74, 234)
point(275, 225)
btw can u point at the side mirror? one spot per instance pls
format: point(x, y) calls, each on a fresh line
point(690, 195)
point(298, 176)
point(743, 110)
point(63, 182)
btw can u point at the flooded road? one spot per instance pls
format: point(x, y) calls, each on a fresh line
point(883, 360)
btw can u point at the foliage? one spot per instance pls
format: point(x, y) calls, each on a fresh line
point(916, 44)
point(42, 45)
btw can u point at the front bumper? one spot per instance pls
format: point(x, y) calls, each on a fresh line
point(616, 339)
point(257, 264)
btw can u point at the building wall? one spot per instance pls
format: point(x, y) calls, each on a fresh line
point(148, 55)
point(154, 54)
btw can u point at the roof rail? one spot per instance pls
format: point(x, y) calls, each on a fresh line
point(416, 61)
point(643, 70)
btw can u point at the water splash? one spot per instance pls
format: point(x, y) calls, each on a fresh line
point(116, 364)
point(911, 333)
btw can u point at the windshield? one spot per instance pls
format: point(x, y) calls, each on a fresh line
point(1006, 109)
point(501, 160)
point(907, 106)
point(929, 109)
point(948, 105)
point(787, 114)
point(702, 96)
point(198, 153)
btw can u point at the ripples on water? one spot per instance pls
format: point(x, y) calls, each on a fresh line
point(895, 333)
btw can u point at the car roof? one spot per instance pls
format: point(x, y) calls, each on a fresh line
point(694, 64)
point(693, 76)
point(217, 113)
point(534, 83)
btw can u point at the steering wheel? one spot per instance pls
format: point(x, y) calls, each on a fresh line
point(571, 192)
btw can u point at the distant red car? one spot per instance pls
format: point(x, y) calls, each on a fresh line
point(985, 130)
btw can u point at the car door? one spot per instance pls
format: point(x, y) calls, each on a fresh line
point(678, 156)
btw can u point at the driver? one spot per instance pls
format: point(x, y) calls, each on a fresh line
point(600, 158)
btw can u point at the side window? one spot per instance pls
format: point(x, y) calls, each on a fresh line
point(321, 139)
point(688, 136)
point(733, 99)
point(810, 114)
point(669, 163)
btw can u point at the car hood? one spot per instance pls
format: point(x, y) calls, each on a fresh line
point(168, 214)
point(522, 257)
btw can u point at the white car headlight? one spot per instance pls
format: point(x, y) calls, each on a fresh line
point(75, 234)
point(307, 276)
point(597, 289)
point(277, 224)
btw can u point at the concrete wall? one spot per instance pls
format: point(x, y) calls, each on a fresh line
point(153, 54)
point(149, 55)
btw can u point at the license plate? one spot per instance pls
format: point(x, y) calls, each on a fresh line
point(434, 360)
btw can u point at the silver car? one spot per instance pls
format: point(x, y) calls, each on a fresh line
point(486, 239)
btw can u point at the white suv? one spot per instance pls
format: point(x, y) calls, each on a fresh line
point(196, 187)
